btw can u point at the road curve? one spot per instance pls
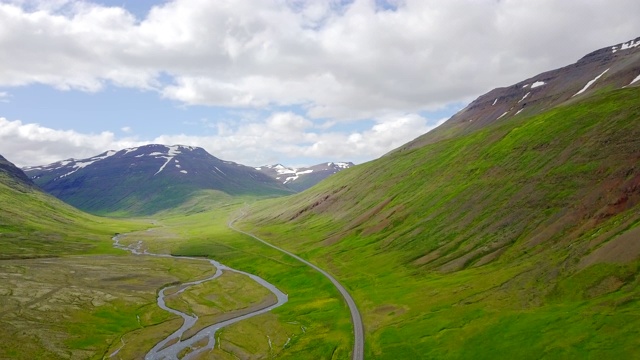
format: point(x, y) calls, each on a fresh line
point(356, 319)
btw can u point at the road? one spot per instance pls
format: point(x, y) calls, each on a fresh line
point(356, 319)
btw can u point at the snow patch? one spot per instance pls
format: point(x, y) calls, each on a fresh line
point(635, 80)
point(178, 166)
point(589, 84)
point(174, 150)
point(628, 45)
point(259, 168)
point(494, 101)
point(525, 85)
point(537, 84)
point(519, 111)
point(297, 175)
point(524, 97)
point(184, 171)
point(169, 158)
point(106, 155)
point(130, 150)
point(505, 113)
point(77, 166)
point(220, 171)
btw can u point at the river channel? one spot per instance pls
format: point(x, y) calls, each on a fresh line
point(178, 345)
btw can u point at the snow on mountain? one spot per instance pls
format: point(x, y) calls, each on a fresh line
point(615, 66)
point(305, 177)
point(160, 175)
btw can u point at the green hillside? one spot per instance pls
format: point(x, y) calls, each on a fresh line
point(34, 224)
point(519, 239)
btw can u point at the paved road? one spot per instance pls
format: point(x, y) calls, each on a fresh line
point(356, 319)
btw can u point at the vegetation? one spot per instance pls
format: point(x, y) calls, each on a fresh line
point(519, 239)
point(65, 292)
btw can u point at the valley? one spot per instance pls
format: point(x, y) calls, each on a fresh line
point(510, 231)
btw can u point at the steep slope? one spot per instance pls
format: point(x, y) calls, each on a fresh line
point(300, 179)
point(13, 173)
point(34, 224)
point(611, 67)
point(147, 179)
point(519, 238)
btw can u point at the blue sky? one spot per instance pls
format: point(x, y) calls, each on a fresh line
point(297, 82)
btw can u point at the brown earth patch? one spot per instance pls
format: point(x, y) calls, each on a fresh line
point(490, 257)
point(607, 285)
point(623, 249)
point(427, 258)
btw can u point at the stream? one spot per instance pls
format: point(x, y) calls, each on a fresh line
point(161, 350)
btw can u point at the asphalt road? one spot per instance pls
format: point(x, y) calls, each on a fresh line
point(356, 319)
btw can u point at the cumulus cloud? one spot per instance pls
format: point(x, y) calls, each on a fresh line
point(282, 135)
point(342, 60)
point(338, 61)
point(32, 144)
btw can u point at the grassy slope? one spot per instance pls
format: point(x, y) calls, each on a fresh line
point(33, 224)
point(519, 239)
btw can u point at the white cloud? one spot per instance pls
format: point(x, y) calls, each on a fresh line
point(342, 61)
point(32, 144)
point(126, 129)
point(283, 136)
point(338, 61)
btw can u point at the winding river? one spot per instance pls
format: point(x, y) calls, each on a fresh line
point(178, 345)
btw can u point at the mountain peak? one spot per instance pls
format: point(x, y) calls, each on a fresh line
point(147, 178)
point(615, 67)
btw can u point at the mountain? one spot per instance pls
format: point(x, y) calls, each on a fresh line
point(492, 237)
point(299, 179)
point(616, 67)
point(147, 179)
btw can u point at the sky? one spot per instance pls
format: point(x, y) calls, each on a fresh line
point(258, 82)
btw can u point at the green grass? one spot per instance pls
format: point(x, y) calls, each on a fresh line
point(314, 304)
point(489, 245)
point(472, 247)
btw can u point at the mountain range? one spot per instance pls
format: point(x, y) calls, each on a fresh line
point(147, 179)
point(151, 178)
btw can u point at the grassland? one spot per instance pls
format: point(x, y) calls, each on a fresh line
point(516, 240)
point(66, 293)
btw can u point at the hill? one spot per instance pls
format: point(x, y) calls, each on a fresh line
point(148, 179)
point(35, 224)
point(513, 237)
